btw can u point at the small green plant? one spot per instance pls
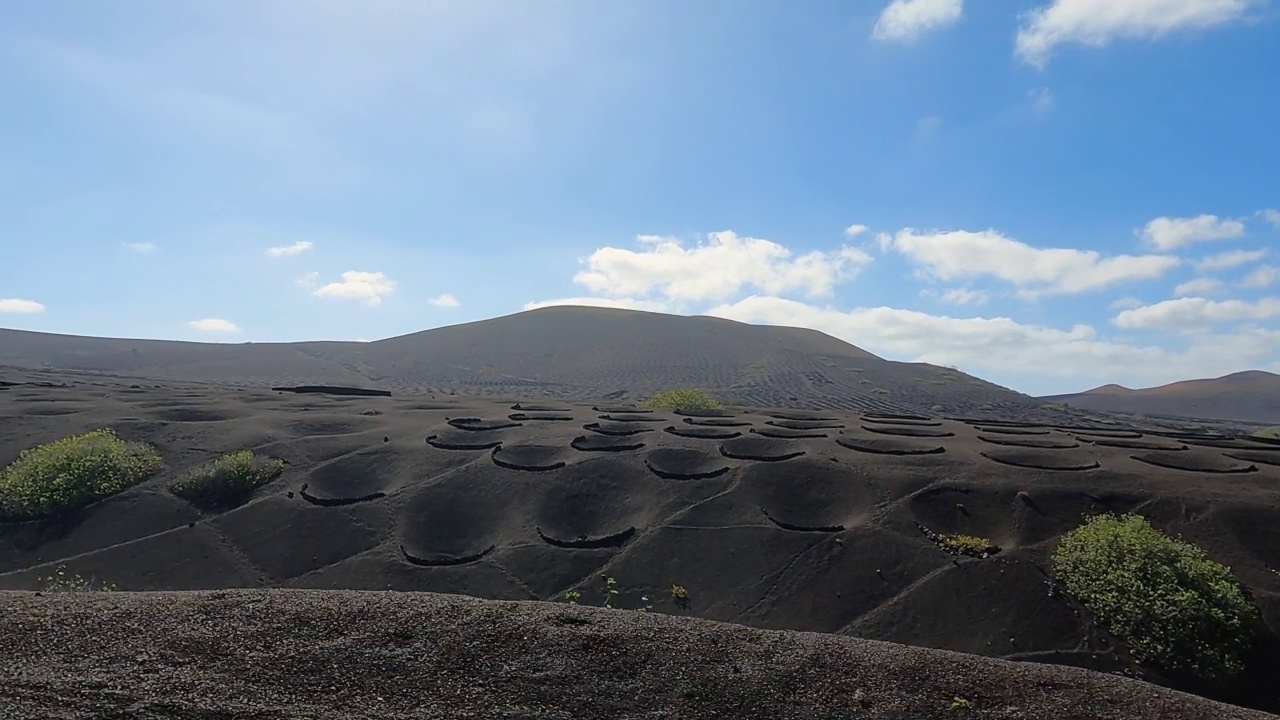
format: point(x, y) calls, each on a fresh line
point(1053, 407)
point(971, 545)
point(61, 581)
point(572, 597)
point(73, 472)
point(227, 480)
point(682, 399)
point(1165, 598)
point(958, 703)
point(610, 591)
point(879, 391)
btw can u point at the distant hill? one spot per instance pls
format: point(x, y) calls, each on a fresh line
point(565, 352)
point(1252, 396)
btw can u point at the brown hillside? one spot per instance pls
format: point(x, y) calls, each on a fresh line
point(1252, 396)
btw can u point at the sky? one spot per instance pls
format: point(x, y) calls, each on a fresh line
point(1049, 194)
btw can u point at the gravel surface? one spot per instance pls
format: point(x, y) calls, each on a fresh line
point(344, 654)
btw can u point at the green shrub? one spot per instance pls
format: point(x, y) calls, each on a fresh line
point(73, 472)
point(973, 545)
point(1165, 598)
point(227, 480)
point(683, 399)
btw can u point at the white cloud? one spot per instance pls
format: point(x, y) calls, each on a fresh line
point(1270, 215)
point(310, 281)
point(293, 249)
point(961, 254)
point(139, 247)
point(1126, 303)
point(1198, 286)
point(20, 306)
point(615, 303)
point(1004, 345)
point(1193, 313)
point(214, 325)
point(716, 269)
point(855, 230)
point(1041, 99)
point(1263, 276)
point(1165, 233)
point(1096, 23)
point(904, 20)
point(445, 300)
point(371, 287)
point(964, 296)
point(1230, 259)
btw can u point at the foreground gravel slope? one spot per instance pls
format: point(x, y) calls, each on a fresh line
point(343, 654)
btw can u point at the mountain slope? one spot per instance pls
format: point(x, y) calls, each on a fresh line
point(563, 352)
point(1252, 396)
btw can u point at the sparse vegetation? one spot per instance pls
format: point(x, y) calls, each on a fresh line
point(972, 545)
point(1165, 598)
point(61, 581)
point(879, 391)
point(683, 399)
point(1054, 407)
point(73, 472)
point(1271, 433)
point(227, 480)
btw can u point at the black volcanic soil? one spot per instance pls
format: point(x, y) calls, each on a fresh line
point(827, 531)
point(373, 655)
point(558, 353)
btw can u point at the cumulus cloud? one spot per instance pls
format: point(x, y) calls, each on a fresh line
point(716, 269)
point(18, 306)
point(294, 249)
point(369, 287)
point(1198, 286)
point(1229, 259)
point(1165, 233)
point(964, 296)
point(310, 281)
point(855, 230)
point(1002, 344)
point(214, 325)
point(1270, 215)
point(1193, 313)
point(1096, 23)
point(445, 300)
point(1263, 276)
point(1125, 303)
point(905, 20)
point(139, 247)
point(960, 254)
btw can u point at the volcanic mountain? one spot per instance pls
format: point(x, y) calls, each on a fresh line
point(1252, 396)
point(578, 353)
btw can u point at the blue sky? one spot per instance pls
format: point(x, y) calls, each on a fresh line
point(1051, 194)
